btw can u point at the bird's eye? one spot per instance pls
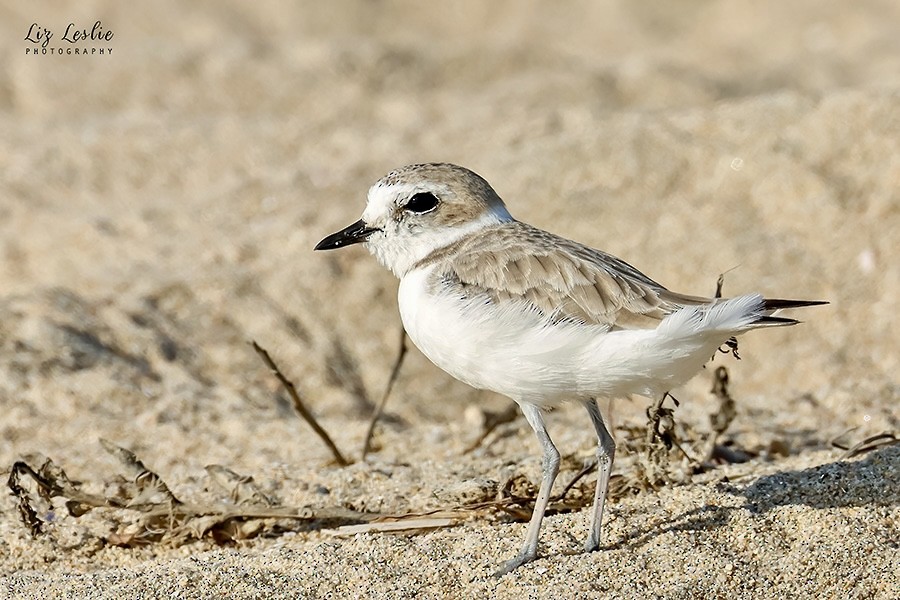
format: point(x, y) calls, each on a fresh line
point(422, 203)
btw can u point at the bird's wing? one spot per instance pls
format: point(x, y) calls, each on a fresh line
point(562, 279)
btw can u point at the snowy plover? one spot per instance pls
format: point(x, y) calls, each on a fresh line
point(507, 307)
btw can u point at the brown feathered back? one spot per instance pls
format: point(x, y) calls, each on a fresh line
point(563, 279)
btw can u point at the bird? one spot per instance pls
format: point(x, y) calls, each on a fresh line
point(505, 306)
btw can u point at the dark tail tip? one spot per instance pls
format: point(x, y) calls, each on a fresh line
point(777, 304)
point(775, 321)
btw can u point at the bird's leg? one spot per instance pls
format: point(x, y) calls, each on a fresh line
point(606, 453)
point(550, 469)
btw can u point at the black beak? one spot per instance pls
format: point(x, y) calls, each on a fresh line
point(354, 234)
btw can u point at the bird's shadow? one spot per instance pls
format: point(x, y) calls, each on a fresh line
point(873, 481)
point(839, 484)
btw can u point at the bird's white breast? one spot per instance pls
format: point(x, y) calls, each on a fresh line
point(511, 348)
point(506, 347)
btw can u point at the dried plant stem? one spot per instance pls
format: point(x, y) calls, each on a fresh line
point(880, 440)
point(164, 518)
point(299, 406)
point(379, 409)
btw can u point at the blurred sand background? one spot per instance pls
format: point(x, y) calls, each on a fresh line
point(158, 209)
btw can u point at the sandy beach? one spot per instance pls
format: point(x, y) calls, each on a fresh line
point(159, 203)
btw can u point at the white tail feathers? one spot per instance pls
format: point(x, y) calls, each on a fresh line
point(725, 316)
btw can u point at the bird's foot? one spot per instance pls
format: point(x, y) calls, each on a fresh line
point(513, 564)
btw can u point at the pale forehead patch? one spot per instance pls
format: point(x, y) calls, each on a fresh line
point(465, 195)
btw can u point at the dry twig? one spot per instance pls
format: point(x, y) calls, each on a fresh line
point(723, 417)
point(379, 410)
point(873, 442)
point(720, 282)
point(731, 345)
point(400, 525)
point(165, 518)
point(242, 488)
point(299, 406)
